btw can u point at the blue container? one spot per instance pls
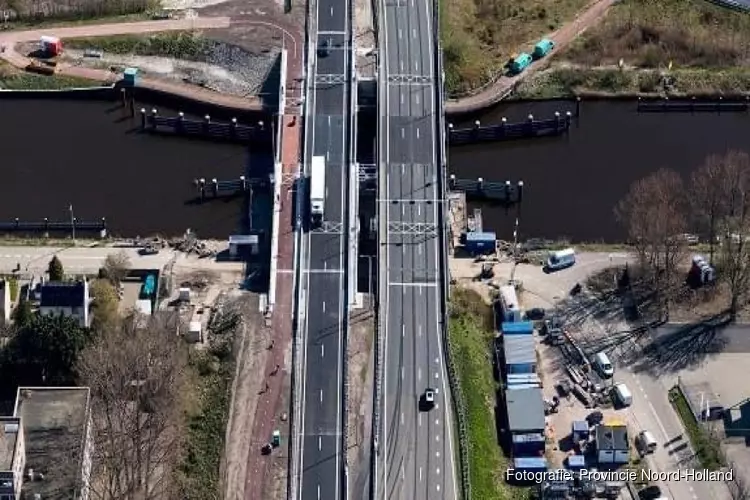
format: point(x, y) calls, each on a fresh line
point(521, 368)
point(523, 466)
point(149, 286)
point(480, 243)
point(130, 77)
point(543, 48)
point(528, 445)
point(517, 328)
point(520, 63)
point(576, 462)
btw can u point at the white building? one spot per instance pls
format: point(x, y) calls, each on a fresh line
point(12, 458)
point(66, 299)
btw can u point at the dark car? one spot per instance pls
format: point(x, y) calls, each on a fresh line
point(595, 418)
point(650, 493)
point(324, 48)
point(537, 313)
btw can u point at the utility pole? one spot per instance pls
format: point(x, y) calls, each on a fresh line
point(72, 223)
point(515, 253)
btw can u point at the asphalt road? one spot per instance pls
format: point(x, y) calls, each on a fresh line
point(416, 445)
point(323, 258)
point(78, 260)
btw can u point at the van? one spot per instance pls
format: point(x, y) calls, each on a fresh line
point(622, 395)
point(561, 259)
point(645, 442)
point(603, 365)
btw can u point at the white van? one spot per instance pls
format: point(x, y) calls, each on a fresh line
point(561, 259)
point(622, 395)
point(603, 365)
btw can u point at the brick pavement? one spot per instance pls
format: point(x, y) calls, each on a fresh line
point(268, 410)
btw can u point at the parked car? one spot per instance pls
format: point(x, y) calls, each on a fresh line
point(536, 313)
point(650, 493)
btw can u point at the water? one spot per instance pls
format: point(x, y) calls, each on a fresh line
point(573, 182)
point(91, 155)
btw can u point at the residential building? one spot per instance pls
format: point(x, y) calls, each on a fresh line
point(12, 458)
point(66, 299)
point(58, 441)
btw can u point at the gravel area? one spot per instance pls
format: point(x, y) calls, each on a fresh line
point(222, 67)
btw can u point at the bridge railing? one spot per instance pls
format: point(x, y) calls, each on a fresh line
point(295, 433)
point(457, 397)
point(381, 297)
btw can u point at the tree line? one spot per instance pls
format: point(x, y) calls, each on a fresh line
point(662, 210)
point(39, 10)
point(135, 372)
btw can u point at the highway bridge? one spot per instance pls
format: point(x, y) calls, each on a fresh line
point(413, 450)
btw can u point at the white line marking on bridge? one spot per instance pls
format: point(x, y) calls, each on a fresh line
point(417, 132)
point(415, 283)
point(318, 492)
point(419, 212)
point(437, 487)
point(399, 34)
point(402, 373)
point(416, 98)
point(403, 330)
point(419, 331)
point(419, 374)
point(437, 471)
point(402, 132)
point(324, 306)
point(402, 418)
point(419, 419)
point(320, 443)
point(414, 32)
point(401, 65)
point(402, 101)
point(331, 11)
point(321, 395)
point(420, 474)
point(322, 351)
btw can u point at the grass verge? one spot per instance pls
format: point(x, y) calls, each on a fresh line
point(212, 372)
point(706, 449)
point(471, 334)
point(479, 36)
point(15, 79)
point(79, 21)
point(178, 44)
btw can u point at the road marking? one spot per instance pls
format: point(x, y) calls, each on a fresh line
point(403, 209)
point(331, 11)
point(419, 419)
point(403, 330)
point(419, 374)
point(399, 33)
point(321, 395)
point(437, 421)
point(322, 351)
point(417, 133)
point(414, 33)
point(437, 487)
point(437, 438)
point(402, 418)
point(420, 290)
point(403, 475)
point(318, 492)
point(324, 306)
point(402, 101)
point(402, 378)
point(320, 443)
point(416, 98)
point(438, 471)
point(419, 330)
point(401, 64)
point(402, 132)
point(420, 474)
point(437, 454)
point(419, 212)
point(415, 283)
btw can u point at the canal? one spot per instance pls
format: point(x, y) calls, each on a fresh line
point(573, 182)
point(92, 155)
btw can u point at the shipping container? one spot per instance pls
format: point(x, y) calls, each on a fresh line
point(542, 48)
point(519, 352)
point(517, 327)
point(516, 368)
point(130, 77)
point(516, 387)
point(529, 464)
point(508, 299)
point(522, 378)
point(520, 63)
point(528, 445)
point(480, 243)
point(576, 462)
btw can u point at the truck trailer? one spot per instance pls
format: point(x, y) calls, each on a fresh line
point(317, 189)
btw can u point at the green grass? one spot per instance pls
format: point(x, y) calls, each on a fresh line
point(75, 21)
point(204, 443)
point(479, 36)
point(707, 450)
point(471, 334)
point(178, 44)
point(15, 79)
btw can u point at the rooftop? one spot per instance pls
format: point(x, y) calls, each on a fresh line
point(54, 423)
point(8, 439)
point(612, 437)
point(519, 349)
point(525, 409)
point(56, 294)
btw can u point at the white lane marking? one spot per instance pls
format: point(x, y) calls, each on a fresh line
point(419, 330)
point(419, 374)
point(417, 132)
point(320, 443)
point(324, 306)
point(403, 474)
point(437, 421)
point(416, 98)
point(402, 418)
point(419, 419)
point(403, 330)
point(401, 65)
point(419, 251)
point(437, 471)
point(403, 209)
point(331, 11)
point(403, 168)
point(437, 438)
point(420, 474)
point(402, 132)
point(399, 34)
point(402, 101)
point(419, 212)
point(414, 32)
point(318, 492)
point(321, 395)
point(322, 351)
point(402, 375)
point(437, 487)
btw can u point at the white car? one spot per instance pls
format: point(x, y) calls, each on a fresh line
point(429, 398)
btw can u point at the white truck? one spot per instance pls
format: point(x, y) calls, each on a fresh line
point(317, 189)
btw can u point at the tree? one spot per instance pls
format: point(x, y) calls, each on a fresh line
point(708, 197)
point(105, 304)
point(136, 376)
point(55, 269)
point(734, 258)
point(654, 213)
point(115, 268)
point(22, 314)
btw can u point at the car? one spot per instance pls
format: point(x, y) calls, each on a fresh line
point(324, 48)
point(535, 314)
point(595, 418)
point(428, 399)
point(650, 493)
point(149, 250)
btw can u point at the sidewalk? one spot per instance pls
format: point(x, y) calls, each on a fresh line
point(500, 89)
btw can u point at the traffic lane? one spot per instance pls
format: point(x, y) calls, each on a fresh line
point(328, 140)
point(394, 51)
point(423, 438)
point(652, 411)
point(81, 260)
point(325, 254)
point(320, 475)
point(334, 63)
point(335, 192)
point(423, 20)
point(329, 100)
point(409, 393)
point(332, 15)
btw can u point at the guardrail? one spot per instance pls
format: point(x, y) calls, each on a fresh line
point(456, 394)
point(382, 191)
point(296, 382)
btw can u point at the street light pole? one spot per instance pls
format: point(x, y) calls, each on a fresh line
point(72, 223)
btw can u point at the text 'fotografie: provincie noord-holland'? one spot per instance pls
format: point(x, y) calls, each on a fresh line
point(621, 475)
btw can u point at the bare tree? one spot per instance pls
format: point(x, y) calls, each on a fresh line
point(654, 213)
point(735, 246)
point(136, 374)
point(708, 197)
point(116, 267)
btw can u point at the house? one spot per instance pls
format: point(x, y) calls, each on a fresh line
point(12, 458)
point(66, 299)
point(612, 444)
point(58, 440)
point(525, 411)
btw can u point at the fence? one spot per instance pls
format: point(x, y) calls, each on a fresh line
point(457, 395)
